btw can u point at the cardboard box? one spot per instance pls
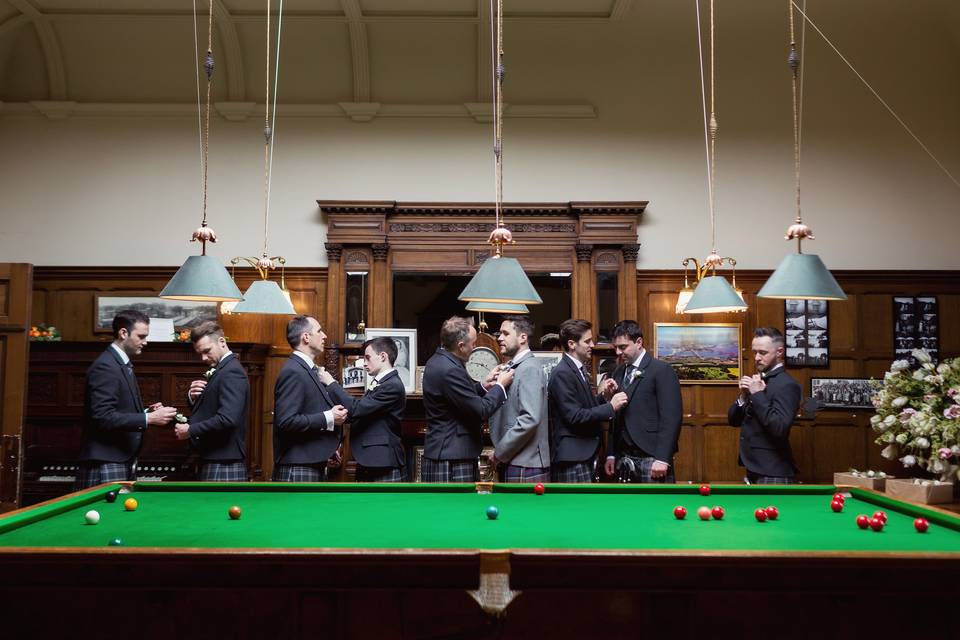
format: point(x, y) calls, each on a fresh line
point(905, 489)
point(877, 484)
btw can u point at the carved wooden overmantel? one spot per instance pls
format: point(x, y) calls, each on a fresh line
point(451, 238)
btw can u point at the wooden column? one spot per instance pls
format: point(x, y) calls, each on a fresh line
point(584, 286)
point(16, 296)
point(379, 309)
point(333, 317)
point(628, 282)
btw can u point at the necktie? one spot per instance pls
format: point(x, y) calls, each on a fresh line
point(133, 381)
point(628, 375)
point(316, 370)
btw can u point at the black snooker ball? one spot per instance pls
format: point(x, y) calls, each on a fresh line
point(111, 496)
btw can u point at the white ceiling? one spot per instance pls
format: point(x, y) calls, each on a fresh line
point(333, 51)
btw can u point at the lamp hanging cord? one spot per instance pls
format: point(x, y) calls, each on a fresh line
point(205, 234)
point(797, 230)
point(877, 96)
point(500, 234)
point(710, 129)
point(267, 135)
point(273, 117)
point(196, 54)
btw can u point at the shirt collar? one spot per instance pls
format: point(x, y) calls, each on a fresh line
point(519, 355)
point(304, 357)
point(123, 354)
point(576, 363)
point(383, 374)
point(636, 363)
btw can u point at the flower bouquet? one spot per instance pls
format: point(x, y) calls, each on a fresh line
point(918, 418)
point(44, 333)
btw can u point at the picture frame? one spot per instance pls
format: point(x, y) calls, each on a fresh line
point(700, 352)
point(185, 315)
point(806, 333)
point(916, 325)
point(605, 368)
point(843, 393)
point(550, 360)
point(354, 377)
point(418, 379)
point(406, 341)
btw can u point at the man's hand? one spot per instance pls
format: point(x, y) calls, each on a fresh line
point(196, 388)
point(161, 415)
point(756, 384)
point(744, 386)
point(339, 414)
point(659, 469)
point(609, 467)
point(335, 460)
point(155, 406)
point(325, 377)
point(618, 400)
point(505, 378)
point(182, 431)
point(608, 388)
point(491, 378)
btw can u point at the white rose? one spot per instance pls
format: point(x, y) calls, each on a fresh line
point(923, 443)
point(899, 365)
point(890, 420)
point(919, 374)
point(889, 452)
point(921, 355)
point(909, 461)
point(938, 466)
point(928, 366)
point(874, 419)
point(899, 402)
point(902, 438)
point(943, 368)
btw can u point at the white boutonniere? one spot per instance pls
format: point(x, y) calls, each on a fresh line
point(181, 419)
point(209, 373)
point(637, 373)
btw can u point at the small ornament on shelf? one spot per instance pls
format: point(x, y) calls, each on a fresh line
point(44, 333)
point(181, 336)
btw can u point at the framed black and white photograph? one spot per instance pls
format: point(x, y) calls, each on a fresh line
point(806, 333)
point(185, 315)
point(916, 325)
point(605, 367)
point(406, 341)
point(843, 393)
point(354, 377)
point(550, 359)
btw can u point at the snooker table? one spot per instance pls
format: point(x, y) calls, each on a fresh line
point(424, 560)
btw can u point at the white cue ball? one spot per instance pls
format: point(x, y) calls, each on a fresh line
point(92, 517)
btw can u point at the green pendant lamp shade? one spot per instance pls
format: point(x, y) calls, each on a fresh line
point(501, 280)
point(802, 276)
point(201, 278)
point(497, 307)
point(714, 295)
point(265, 296)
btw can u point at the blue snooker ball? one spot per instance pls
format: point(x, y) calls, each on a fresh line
point(493, 512)
point(115, 542)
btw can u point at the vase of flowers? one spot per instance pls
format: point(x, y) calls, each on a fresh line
point(918, 415)
point(44, 333)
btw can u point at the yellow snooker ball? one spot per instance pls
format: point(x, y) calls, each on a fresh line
point(130, 504)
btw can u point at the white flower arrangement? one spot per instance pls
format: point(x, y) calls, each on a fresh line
point(634, 375)
point(209, 372)
point(918, 415)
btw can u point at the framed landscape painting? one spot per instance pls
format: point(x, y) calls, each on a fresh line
point(185, 315)
point(705, 353)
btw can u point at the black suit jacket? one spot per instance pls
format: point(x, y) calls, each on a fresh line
point(300, 433)
point(375, 421)
point(765, 420)
point(456, 407)
point(577, 416)
point(218, 425)
point(653, 412)
point(114, 421)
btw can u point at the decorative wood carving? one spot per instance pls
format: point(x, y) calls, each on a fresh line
point(608, 259)
point(380, 251)
point(630, 253)
point(331, 360)
point(333, 251)
point(584, 252)
point(356, 259)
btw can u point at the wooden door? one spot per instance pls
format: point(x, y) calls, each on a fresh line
point(16, 286)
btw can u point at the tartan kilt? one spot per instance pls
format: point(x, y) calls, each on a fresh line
point(574, 472)
point(637, 469)
point(224, 472)
point(379, 474)
point(449, 470)
point(756, 478)
point(300, 472)
point(513, 473)
point(90, 475)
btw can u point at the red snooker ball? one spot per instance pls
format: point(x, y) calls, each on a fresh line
point(837, 506)
point(704, 489)
point(882, 515)
point(717, 513)
point(539, 489)
point(921, 525)
point(840, 497)
point(772, 513)
point(704, 513)
point(876, 524)
point(863, 521)
point(760, 515)
point(680, 512)
point(234, 512)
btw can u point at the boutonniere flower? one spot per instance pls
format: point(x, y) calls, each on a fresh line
point(637, 373)
point(209, 373)
point(180, 418)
